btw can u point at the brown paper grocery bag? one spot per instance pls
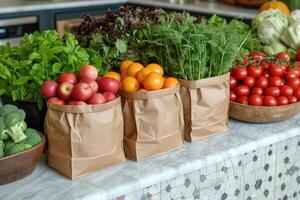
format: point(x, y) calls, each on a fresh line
point(205, 105)
point(83, 139)
point(153, 123)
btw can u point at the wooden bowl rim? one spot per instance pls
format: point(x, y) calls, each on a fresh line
point(266, 107)
point(43, 140)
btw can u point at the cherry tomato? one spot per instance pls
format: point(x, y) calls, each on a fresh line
point(246, 60)
point(282, 100)
point(275, 81)
point(297, 71)
point(293, 83)
point(242, 100)
point(298, 56)
point(256, 90)
point(258, 55)
point(297, 93)
point(264, 65)
point(272, 91)
point(290, 74)
point(292, 99)
point(283, 81)
point(233, 82)
point(254, 71)
point(242, 90)
point(256, 100)
point(276, 70)
point(262, 82)
point(283, 66)
point(231, 70)
point(286, 90)
point(283, 56)
point(270, 101)
point(232, 96)
point(266, 74)
point(240, 73)
point(249, 81)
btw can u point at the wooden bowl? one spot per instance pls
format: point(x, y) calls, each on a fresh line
point(262, 114)
point(20, 165)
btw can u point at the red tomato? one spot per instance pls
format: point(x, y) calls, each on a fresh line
point(240, 73)
point(264, 65)
point(231, 70)
point(272, 91)
point(293, 83)
point(242, 90)
point(292, 99)
point(298, 56)
point(242, 100)
point(290, 74)
point(232, 96)
point(258, 55)
point(276, 70)
point(266, 74)
point(249, 81)
point(233, 82)
point(270, 101)
point(256, 90)
point(254, 71)
point(286, 90)
point(282, 100)
point(297, 71)
point(297, 93)
point(275, 81)
point(256, 100)
point(262, 82)
point(283, 56)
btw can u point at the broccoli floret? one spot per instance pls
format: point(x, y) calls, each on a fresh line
point(1, 148)
point(11, 148)
point(21, 113)
point(3, 130)
point(33, 138)
point(16, 132)
point(6, 109)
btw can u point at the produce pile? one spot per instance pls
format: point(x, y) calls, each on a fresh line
point(15, 137)
point(263, 80)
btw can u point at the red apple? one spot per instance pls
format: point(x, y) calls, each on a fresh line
point(67, 77)
point(88, 71)
point(49, 89)
point(109, 96)
point(65, 90)
point(97, 98)
point(74, 102)
point(82, 92)
point(107, 84)
point(92, 83)
point(55, 100)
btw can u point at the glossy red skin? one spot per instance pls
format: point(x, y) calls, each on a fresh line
point(242, 90)
point(233, 82)
point(55, 100)
point(240, 73)
point(270, 101)
point(290, 74)
point(242, 100)
point(258, 55)
point(283, 56)
point(292, 99)
point(82, 92)
point(265, 74)
point(107, 84)
point(262, 82)
point(293, 83)
point(282, 100)
point(77, 103)
point(97, 98)
point(297, 93)
point(254, 71)
point(88, 71)
point(49, 89)
point(298, 55)
point(275, 81)
point(92, 83)
point(272, 91)
point(67, 77)
point(64, 90)
point(264, 65)
point(286, 90)
point(249, 81)
point(255, 100)
point(256, 90)
point(111, 96)
point(276, 70)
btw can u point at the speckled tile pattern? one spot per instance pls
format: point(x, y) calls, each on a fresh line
point(269, 173)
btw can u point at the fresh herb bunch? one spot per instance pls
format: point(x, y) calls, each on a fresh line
point(191, 49)
point(40, 57)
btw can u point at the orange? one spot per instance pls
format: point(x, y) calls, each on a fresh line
point(156, 68)
point(143, 90)
point(123, 74)
point(153, 81)
point(125, 64)
point(130, 84)
point(114, 75)
point(142, 74)
point(170, 82)
point(134, 68)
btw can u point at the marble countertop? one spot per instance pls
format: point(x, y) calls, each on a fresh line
point(200, 6)
point(130, 176)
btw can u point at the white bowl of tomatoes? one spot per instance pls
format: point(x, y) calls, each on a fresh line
point(265, 88)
